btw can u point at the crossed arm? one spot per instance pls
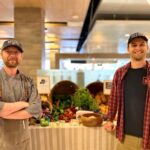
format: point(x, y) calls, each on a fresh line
point(15, 110)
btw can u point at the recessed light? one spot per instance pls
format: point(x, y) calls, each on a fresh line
point(75, 17)
point(46, 30)
point(127, 35)
point(148, 1)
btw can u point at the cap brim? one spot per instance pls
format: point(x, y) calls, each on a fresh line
point(143, 37)
point(3, 48)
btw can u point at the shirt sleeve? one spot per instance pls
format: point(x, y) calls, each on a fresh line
point(34, 102)
point(112, 104)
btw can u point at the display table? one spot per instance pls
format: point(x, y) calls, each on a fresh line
point(71, 137)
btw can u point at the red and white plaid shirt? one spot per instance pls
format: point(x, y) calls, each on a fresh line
point(116, 104)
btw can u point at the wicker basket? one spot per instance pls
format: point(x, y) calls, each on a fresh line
point(64, 88)
point(91, 119)
point(95, 87)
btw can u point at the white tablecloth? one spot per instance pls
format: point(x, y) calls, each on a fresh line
point(71, 138)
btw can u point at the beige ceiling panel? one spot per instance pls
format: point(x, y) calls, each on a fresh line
point(124, 7)
point(6, 4)
point(6, 31)
point(112, 35)
point(6, 10)
point(29, 3)
point(65, 32)
point(66, 10)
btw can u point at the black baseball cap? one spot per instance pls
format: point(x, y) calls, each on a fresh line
point(137, 35)
point(12, 43)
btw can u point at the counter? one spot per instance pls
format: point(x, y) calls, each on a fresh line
point(71, 137)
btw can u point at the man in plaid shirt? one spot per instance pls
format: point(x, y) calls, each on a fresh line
point(130, 98)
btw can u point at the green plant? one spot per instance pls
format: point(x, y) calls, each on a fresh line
point(84, 100)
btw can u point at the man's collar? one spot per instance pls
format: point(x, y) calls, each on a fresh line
point(6, 76)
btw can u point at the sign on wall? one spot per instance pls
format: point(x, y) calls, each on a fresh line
point(43, 84)
point(107, 87)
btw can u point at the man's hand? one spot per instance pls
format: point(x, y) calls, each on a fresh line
point(109, 126)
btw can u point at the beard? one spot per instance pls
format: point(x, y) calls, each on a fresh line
point(13, 63)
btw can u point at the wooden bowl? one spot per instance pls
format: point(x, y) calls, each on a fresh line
point(91, 119)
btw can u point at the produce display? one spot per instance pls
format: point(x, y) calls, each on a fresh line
point(46, 114)
point(83, 100)
point(97, 92)
point(66, 99)
point(61, 99)
point(63, 113)
point(69, 113)
point(44, 122)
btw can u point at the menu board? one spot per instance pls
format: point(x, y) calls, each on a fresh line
point(43, 84)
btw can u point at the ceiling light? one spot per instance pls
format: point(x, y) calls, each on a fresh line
point(75, 24)
point(98, 46)
point(46, 30)
point(75, 17)
point(148, 1)
point(51, 35)
point(54, 46)
point(127, 35)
